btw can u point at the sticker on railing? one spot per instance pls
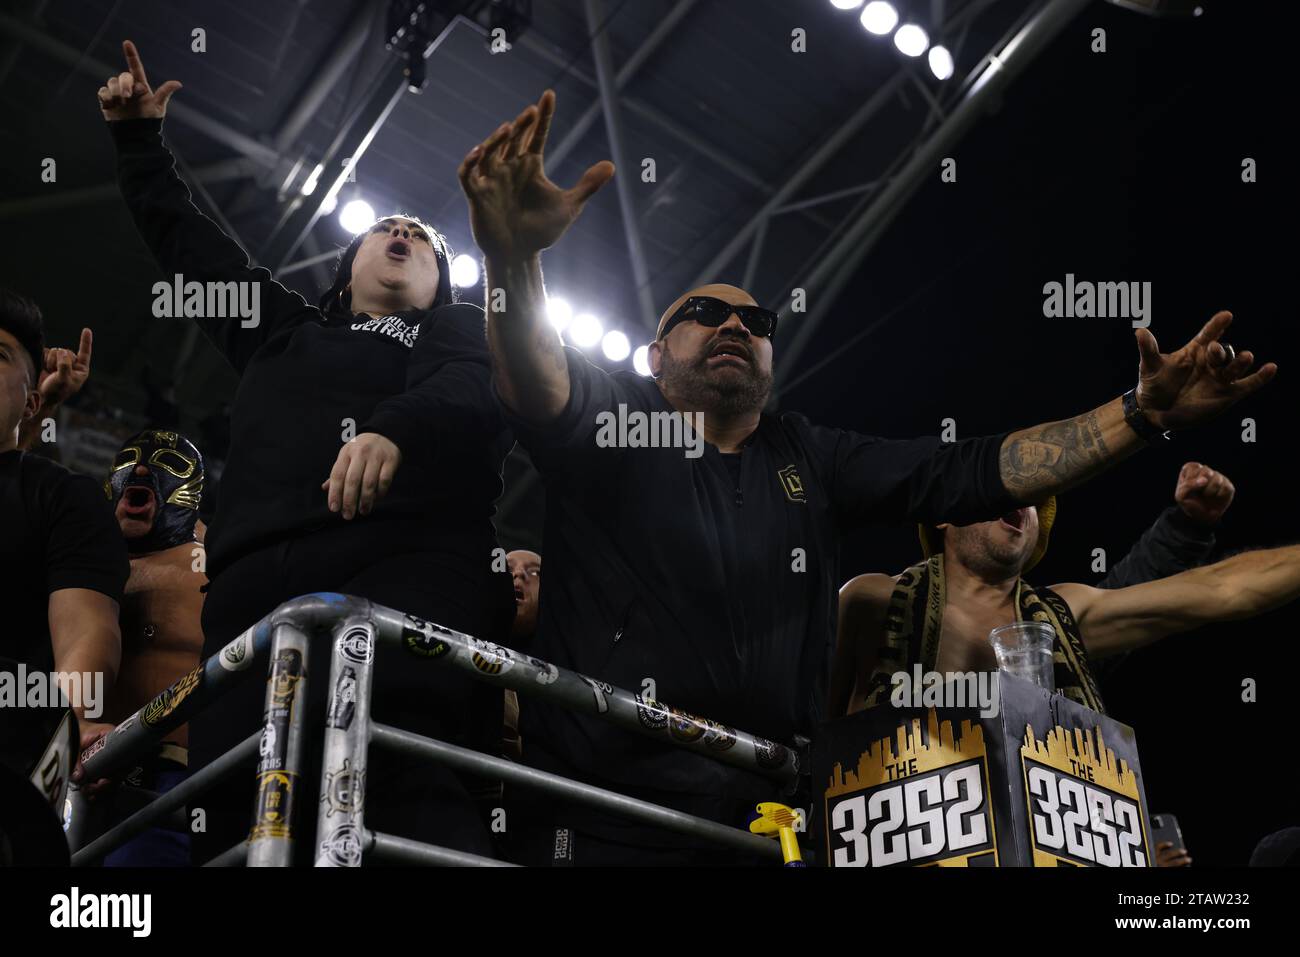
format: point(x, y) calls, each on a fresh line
point(237, 655)
point(357, 646)
point(489, 658)
point(419, 639)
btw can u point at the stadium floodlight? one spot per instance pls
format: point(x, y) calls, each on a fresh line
point(615, 346)
point(911, 40)
point(940, 62)
point(585, 330)
point(464, 271)
point(357, 216)
point(559, 312)
point(879, 17)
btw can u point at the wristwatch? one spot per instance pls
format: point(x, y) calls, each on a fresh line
point(1138, 421)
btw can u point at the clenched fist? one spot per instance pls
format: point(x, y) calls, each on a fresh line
point(1202, 493)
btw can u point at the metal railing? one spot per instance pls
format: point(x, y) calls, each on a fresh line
point(357, 627)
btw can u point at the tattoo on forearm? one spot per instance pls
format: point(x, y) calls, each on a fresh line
point(1054, 456)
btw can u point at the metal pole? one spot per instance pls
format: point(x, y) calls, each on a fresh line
point(806, 171)
point(389, 849)
point(666, 124)
point(755, 255)
point(235, 856)
point(663, 29)
point(110, 192)
point(270, 842)
point(307, 263)
point(177, 797)
point(178, 110)
point(833, 272)
point(531, 676)
point(404, 742)
point(623, 181)
point(340, 819)
point(343, 51)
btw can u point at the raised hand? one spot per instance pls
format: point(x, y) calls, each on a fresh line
point(128, 95)
point(1198, 381)
point(65, 372)
point(1202, 493)
point(514, 210)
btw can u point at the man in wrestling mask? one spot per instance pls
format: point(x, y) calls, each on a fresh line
point(155, 488)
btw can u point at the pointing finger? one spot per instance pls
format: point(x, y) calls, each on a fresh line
point(133, 62)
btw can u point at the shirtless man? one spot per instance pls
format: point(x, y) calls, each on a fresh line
point(978, 580)
point(155, 487)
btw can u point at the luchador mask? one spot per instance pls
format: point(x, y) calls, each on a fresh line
point(166, 499)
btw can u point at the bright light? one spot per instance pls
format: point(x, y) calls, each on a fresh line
point(585, 331)
point(641, 360)
point(357, 216)
point(329, 204)
point(846, 4)
point(464, 271)
point(309, 186)
point(615, 346)
point(940, 62)
point(559, 312)
point(911, 39)
point(879, 17)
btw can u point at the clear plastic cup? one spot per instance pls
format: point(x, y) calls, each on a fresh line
point(1024, 649)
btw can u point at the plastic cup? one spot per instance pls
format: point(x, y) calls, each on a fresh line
point(1024, 649)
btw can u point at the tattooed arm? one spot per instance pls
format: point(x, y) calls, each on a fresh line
point(1174, 390)
point(515, 213)
point(1047, 459)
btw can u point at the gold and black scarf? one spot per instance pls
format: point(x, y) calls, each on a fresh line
point(915, 620)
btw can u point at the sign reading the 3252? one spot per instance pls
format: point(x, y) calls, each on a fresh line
point(1082, 824)
point(922, 819)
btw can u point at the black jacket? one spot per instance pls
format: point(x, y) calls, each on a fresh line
point(717, 590)
point(420, 378)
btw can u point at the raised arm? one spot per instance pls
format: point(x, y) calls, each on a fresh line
point(515, 213)
point(1174, 391)
point(1243, 586)
point(1182, 536)
point(182, 240)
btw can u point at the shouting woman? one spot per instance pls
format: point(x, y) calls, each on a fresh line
point(365, 458)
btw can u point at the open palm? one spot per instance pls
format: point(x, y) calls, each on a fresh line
point(1198, 381)
point(515, 210)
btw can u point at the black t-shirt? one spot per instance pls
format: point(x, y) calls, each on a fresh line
point(714, 576)
point(58, 532)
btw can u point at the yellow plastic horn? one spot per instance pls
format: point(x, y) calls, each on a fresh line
point(781, 821)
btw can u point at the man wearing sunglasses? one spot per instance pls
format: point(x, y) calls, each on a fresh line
point(709, 582)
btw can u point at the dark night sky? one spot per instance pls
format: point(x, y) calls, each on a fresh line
point(1123, 166)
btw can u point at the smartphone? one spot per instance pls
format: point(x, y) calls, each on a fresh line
point(1165, 828)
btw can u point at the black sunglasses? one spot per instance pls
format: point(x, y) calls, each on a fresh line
point(708, 311)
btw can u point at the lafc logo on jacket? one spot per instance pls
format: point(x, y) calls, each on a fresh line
point(392, 326)
point(793, 484)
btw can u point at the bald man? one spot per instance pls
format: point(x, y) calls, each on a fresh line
point(704, 573)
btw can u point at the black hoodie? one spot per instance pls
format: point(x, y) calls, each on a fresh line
point(308, 381)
